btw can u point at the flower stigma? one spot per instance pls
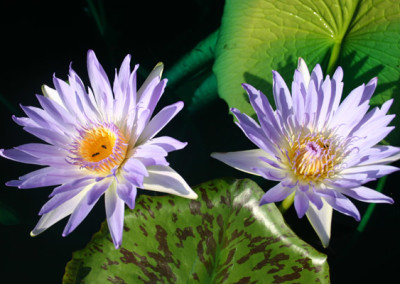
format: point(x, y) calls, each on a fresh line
point(100, 148)
point(313, 157)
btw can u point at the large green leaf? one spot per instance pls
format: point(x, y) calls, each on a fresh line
point(223, 237)
point(258, 36)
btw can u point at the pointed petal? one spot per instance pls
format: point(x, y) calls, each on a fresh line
point(127, 192)
point(124, 74)
point(100, 84)
point(135, 166)
point(79, 213)
point(150, 99)
point(372, 171)
point(169, 144)
point(19, 156)
point(303, 69)
point(148, 150)
point(366, 194)
point(68, 96)
point(160, 120)
point(52, 94)
point(252, 130)
point(321, 221)
point(267, 118)
point(343, 205)
point(65, 209)
point(58, 113)
point(276, 194)
point(271, 173)
point(165, 179)
point(152, 80)
point(48, 136)
point(301, 203)
point(134, 178)
point(59, 199)
point(76, 183)
point(47, 177)
point(97, 190)
point(283, 100)
point(115, 208)
point(380, 154)
point(244, 161)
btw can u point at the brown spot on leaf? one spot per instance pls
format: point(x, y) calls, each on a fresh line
point(220, 222)
point(305, 262)
point(248, 221)
point(245, 280)
point(258, 245)
point(174, 217)
point(163, 256)
point(209, 218)
point(147, 208)
point(159, 205)
point(223, 274)
point(141, 262)
point(226, 199)
point(288, 277)
point(204, 197)
point(96, 247)
point(234, 235)
point(183, 235)
point(126, 229)
point(139, 212)
point(170, 201)
point(194, 207)
point(208, 243)
point(272, 261)
point(230, 256)
point(143, 230)
point(116, 280)
point(109, 263)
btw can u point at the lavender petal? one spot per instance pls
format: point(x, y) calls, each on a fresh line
point(366, 194)
point(276, 194)
point(165, 179)
point(127, 192)
point(115, 208)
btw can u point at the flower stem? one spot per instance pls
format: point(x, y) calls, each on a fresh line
point(285, 205)
point(334, 58)
point(371, 207)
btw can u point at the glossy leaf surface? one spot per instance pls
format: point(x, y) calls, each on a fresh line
point(223, 237)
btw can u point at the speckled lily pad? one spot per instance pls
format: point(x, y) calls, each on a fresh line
point(223, 237)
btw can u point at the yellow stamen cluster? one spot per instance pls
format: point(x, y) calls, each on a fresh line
point(313, 157)
point(101, 148)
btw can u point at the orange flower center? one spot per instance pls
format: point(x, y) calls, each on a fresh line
point(313, 157)
point(100, 148)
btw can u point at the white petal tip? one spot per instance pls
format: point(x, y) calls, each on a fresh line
point(303, 69)
point(325, 243)
point(192, 195)
point(159, 69)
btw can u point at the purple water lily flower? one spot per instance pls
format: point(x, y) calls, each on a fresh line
point(99, 141)
point(317, 148)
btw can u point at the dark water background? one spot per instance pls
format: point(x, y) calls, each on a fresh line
point(38, 39)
